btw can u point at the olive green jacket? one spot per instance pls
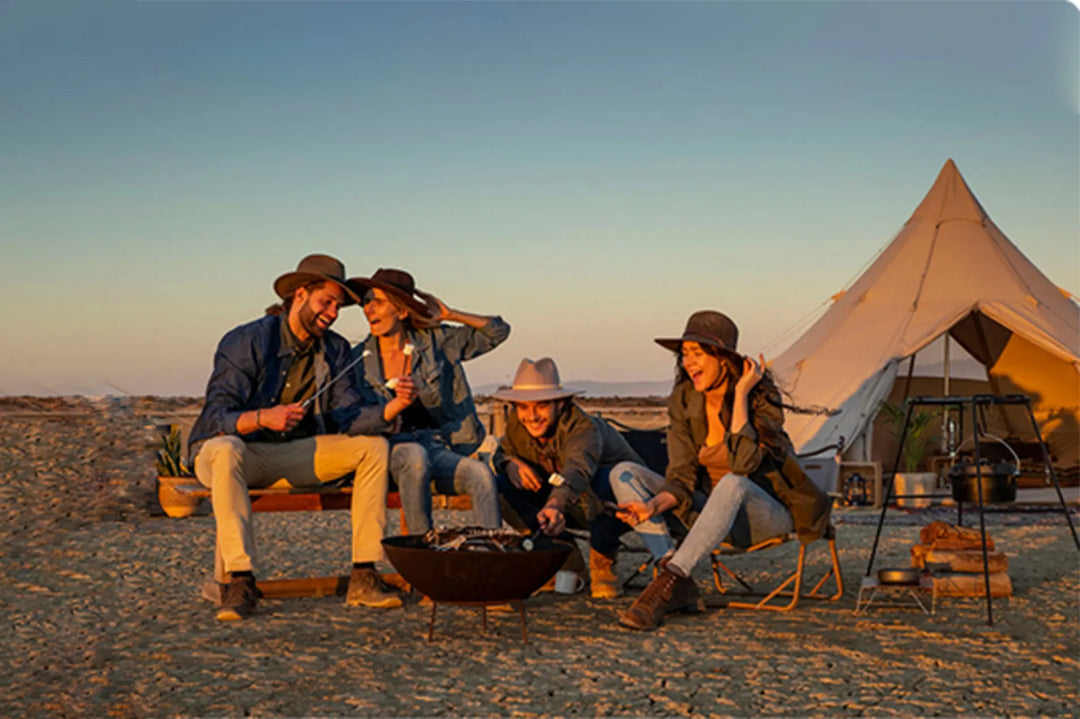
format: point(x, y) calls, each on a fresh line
point(761, 451)
point(581, 445)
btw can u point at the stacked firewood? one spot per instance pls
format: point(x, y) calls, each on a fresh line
point(954, 557)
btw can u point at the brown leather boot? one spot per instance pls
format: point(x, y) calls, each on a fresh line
point(649, 608)
point(366, 588)
point(685, 597)
point(603, 582)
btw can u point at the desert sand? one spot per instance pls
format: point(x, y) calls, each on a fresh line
point(101, 615)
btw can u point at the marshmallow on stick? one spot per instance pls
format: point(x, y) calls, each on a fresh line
point(408, 349)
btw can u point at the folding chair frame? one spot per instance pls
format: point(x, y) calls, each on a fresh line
point(796, 577)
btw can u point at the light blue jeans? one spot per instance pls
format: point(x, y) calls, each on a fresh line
point(415, 466)
point(631, 482)
point(766, 516)
point(734, 493)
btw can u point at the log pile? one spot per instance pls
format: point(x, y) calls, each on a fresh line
point(955, 557)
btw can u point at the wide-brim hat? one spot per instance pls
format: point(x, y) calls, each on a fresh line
point(706, 327)
point(315, 268)
point(536, 382)
point(398, 283)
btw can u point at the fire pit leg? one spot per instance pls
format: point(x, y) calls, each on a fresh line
point(431, 622)
point(524, 632)
point(483, 616)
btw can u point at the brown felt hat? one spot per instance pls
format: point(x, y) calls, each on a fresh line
point(315, 268)
point(536, 382)
point(706, 327)
point(398, 283)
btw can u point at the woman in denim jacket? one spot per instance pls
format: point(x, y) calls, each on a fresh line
point(732, 470)
point(434, 436)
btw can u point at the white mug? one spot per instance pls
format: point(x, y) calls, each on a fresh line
point(567, 582)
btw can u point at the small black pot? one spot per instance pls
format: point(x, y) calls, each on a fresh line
point(998, 483)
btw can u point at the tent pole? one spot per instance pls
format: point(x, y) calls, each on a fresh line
point(945, 414)
point(907, 383)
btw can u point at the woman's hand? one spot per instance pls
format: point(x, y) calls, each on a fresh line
point(752, 371)
point(404, 395)
point(634, 513)
point(437, 308)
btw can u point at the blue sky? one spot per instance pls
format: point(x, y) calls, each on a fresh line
point(594, 172)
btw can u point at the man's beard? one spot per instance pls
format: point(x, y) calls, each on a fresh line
point(308, 320)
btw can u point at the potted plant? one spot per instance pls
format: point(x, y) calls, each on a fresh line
point(920, 433)
point(171, 471)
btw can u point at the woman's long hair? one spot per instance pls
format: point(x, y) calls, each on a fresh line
point(767, 386)
point(413, 319)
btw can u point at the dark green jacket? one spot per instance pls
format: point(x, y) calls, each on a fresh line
point(762, 451)
point(581, 445)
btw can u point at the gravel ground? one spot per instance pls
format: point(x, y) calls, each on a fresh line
point(101, 616)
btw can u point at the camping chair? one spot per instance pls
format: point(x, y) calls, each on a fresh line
point(824, 472)
point(795, 593)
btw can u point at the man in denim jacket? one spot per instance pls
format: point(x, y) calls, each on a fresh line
point(279, 403)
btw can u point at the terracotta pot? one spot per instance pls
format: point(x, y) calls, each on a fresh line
point(174, 503)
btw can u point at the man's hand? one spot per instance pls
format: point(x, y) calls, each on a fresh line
point(523, 476)
point(552, 522)
point(281, 418)
point(634, 513)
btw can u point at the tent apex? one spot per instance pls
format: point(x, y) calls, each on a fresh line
point(949, 198)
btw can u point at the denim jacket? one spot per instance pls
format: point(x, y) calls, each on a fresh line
point(250, 365)
point(441, 386)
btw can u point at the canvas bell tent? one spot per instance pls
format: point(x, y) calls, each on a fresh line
point(949, 276)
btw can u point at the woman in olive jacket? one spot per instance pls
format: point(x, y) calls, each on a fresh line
point(732, 472)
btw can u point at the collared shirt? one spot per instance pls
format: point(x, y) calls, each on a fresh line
point(299, 381)
point(250, 370)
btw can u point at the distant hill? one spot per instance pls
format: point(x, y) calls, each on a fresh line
point(661, 388)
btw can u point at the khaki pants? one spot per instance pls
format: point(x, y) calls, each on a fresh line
point(228, 466)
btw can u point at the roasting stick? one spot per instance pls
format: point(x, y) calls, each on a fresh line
point(408, 349)
point(307, 402)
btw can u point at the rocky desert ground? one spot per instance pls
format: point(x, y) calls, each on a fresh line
point(101, 615)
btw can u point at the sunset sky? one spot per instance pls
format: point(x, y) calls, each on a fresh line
point(593, 172)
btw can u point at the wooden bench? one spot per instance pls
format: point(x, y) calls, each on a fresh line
point(180, 496)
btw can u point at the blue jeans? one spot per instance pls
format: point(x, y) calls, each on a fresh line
point(631, 482)
point(604, 530)
point(415, 466)
point(733, 495)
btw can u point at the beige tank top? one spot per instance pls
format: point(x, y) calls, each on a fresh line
point(715, 460)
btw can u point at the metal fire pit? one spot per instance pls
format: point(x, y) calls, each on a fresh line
point(476, 578)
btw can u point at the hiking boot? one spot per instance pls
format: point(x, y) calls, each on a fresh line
point(603, 582)
point(239, 600)
point(648, 609)
point(685, 597)
point(367, 588)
